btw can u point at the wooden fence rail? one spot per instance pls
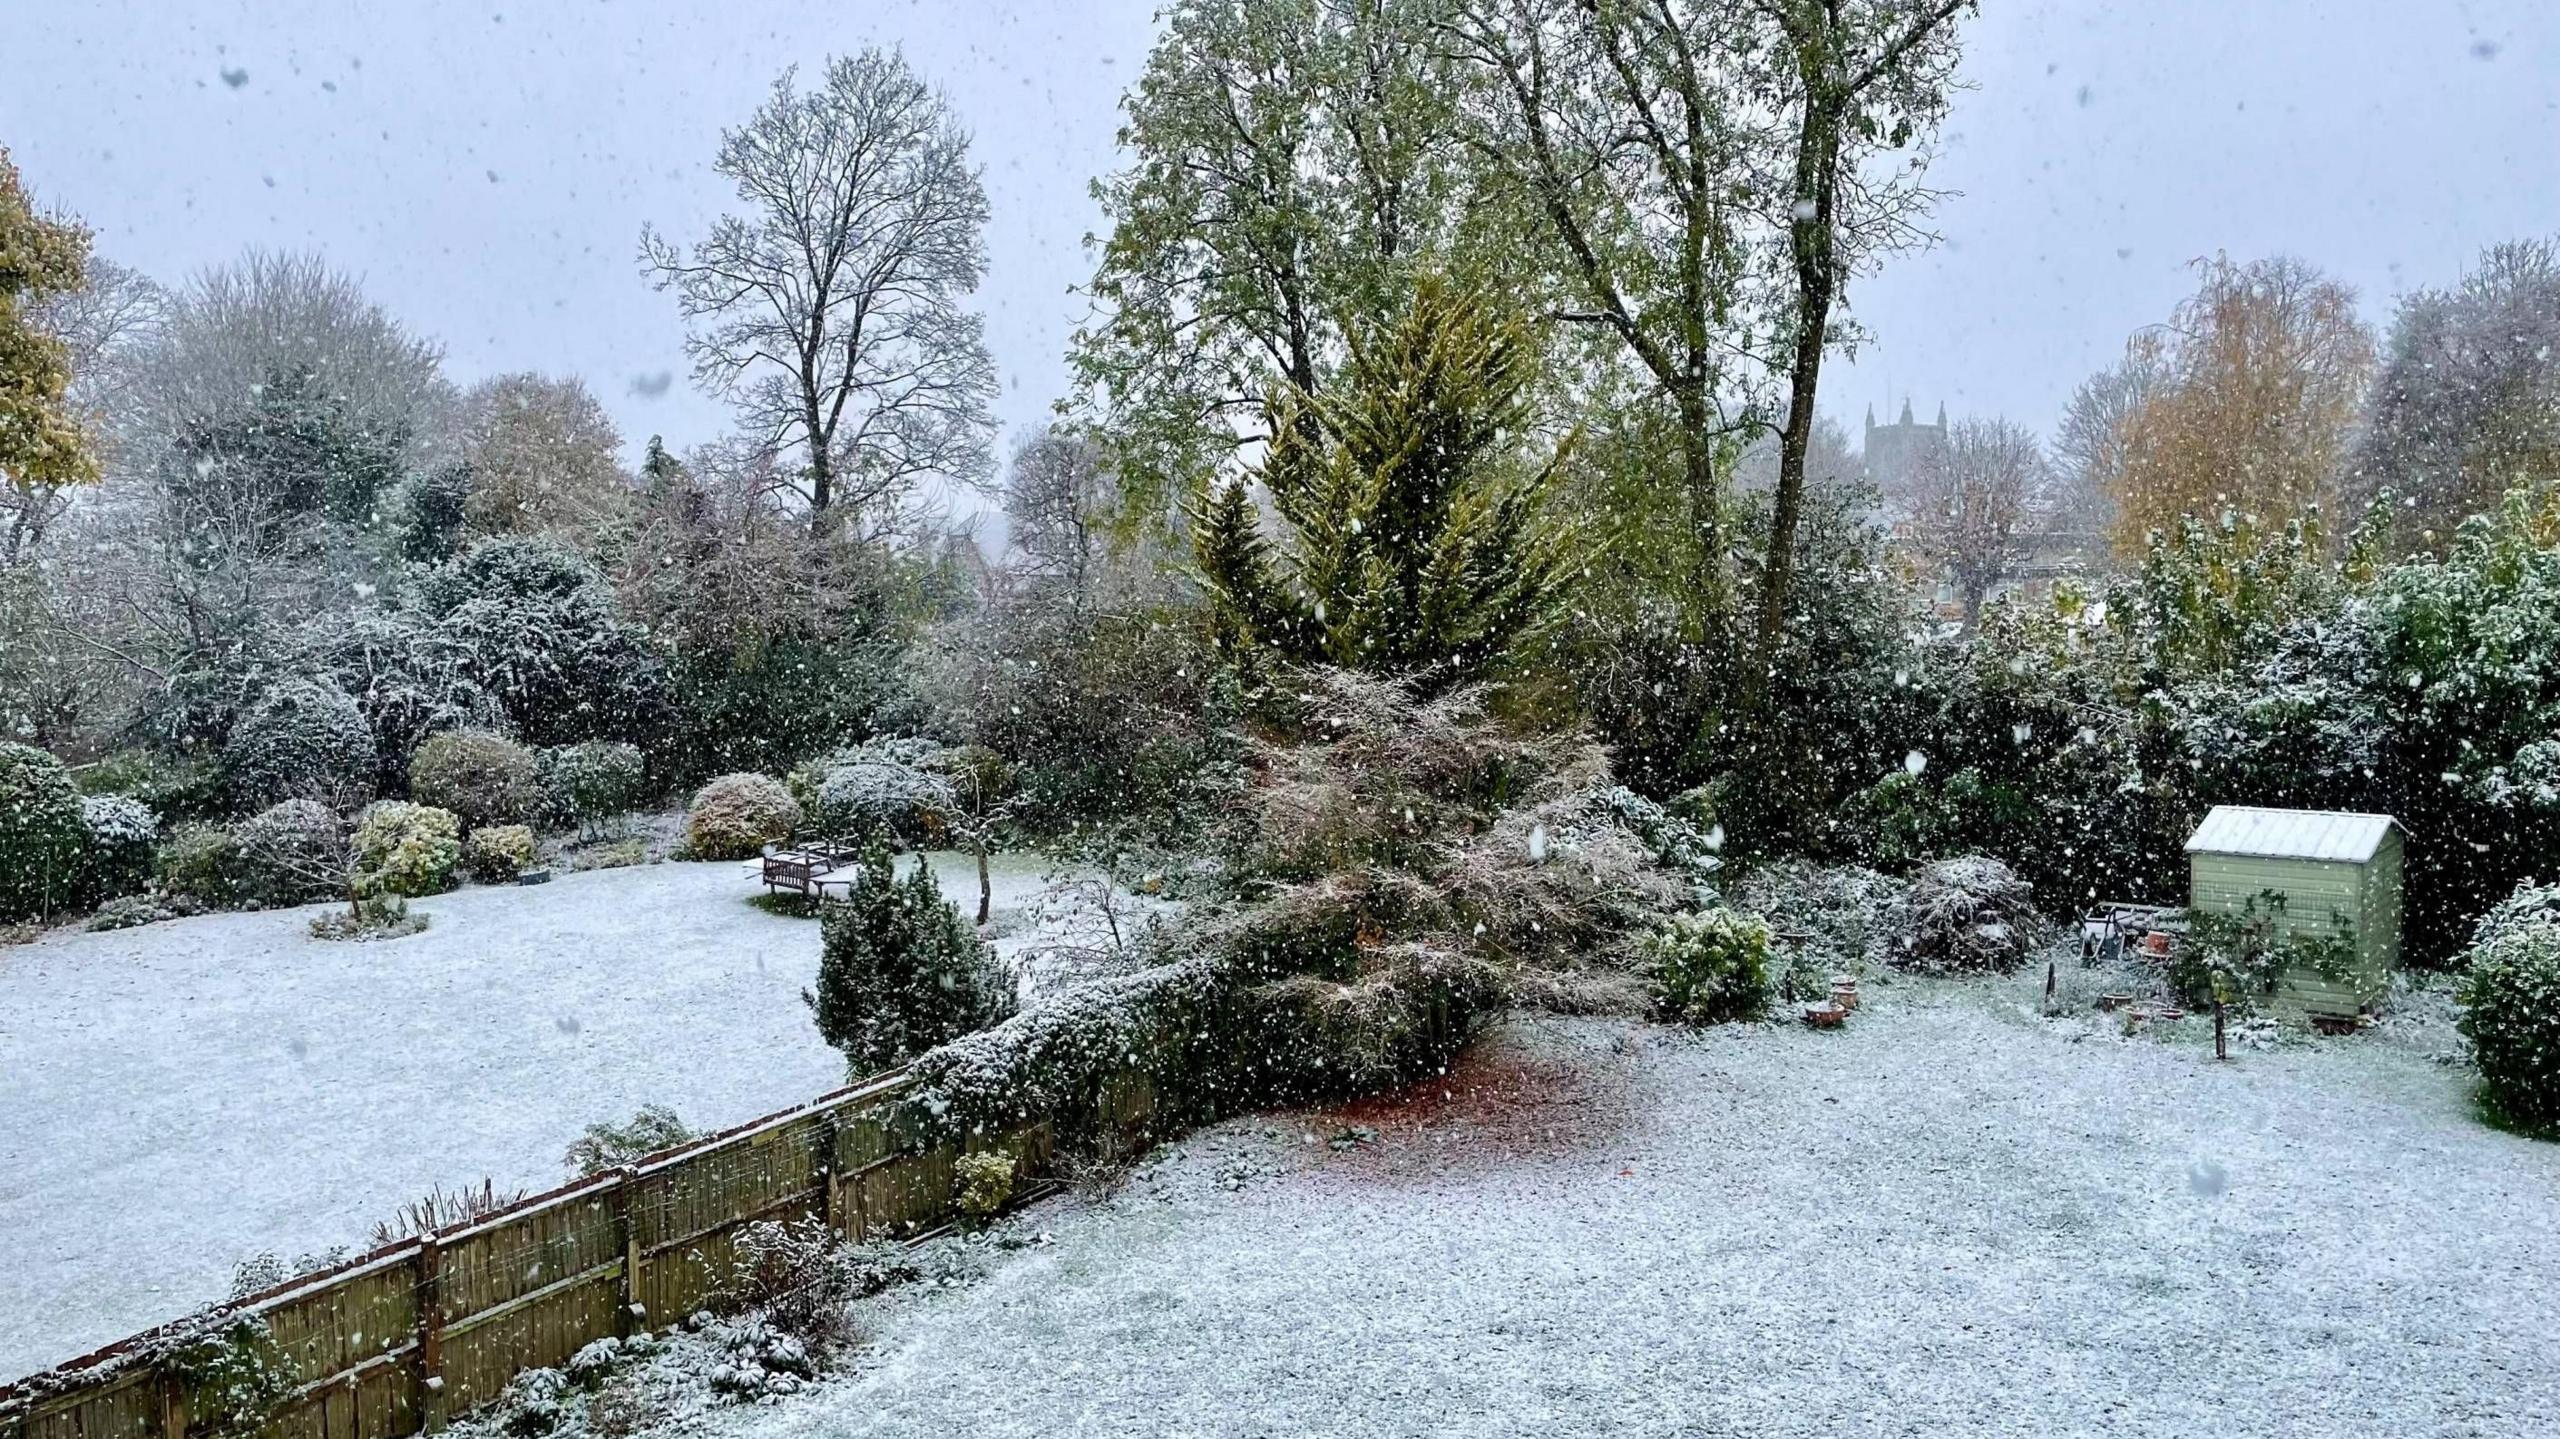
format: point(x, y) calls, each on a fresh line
point(398, 1341)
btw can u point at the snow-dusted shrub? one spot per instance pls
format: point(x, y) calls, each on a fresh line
point(2530, 906)
point(886, 787)
point(796, 1276)
point(41, 834)
point(607, 1145)
point(592, 784)
point(406, 849)
point(1965, 914)
point(537, 628)
point(2511, 1014)
point(497, 853)
point(483, 778)
point(902, 971)
point(140, 909)
point(1823, 919)
point(407, 677)
point(291, 853)
point(1708, 967)
point(301, 739)
point(236, 1378)
point(121, 836)
point(981, 1184)
point(201, 863)
point(737, 815)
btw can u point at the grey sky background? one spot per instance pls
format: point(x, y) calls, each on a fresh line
point(486, 168)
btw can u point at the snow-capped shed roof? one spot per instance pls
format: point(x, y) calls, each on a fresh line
point(2290, 833)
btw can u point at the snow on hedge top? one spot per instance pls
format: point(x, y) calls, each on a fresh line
point(2290, 833)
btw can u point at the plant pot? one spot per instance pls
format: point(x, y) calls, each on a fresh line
point(2111, 1002)
point(1825, 1015)
point(1844, 992)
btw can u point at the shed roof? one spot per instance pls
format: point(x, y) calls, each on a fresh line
point(2290, 833)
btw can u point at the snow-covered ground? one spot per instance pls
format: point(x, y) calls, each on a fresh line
point(176, 1097)
point(1950, 1218)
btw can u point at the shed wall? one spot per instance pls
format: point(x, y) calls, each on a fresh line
point(2318, 894)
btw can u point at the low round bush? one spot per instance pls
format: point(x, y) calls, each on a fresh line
point(497, 853)
point(737, 815)
point(2511, 1014)
point(121, 836)
point(200, 862)
point(301, 740)
point(482, 778)
point(1709, 967)
point(42, 834)
point(406, 849)
point(591, 784)
point(291, 853)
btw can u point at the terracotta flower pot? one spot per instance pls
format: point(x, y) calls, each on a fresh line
point(1825, 1015)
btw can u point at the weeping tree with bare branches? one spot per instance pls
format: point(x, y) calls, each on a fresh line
point(832, 310)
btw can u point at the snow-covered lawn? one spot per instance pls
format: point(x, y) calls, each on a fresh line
point(1950, 1218)
point(176, 1097)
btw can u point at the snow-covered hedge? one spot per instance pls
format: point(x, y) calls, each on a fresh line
point(590, 785)
point(301, 740)
point(737, 815)
point(41, 834)
point(2511, 1014)
point(121, 835)
point(406, 849)
point(483, 778)
point(1965, 914)
point(291, 853)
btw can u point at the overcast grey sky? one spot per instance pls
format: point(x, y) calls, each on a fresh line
point(487, 168)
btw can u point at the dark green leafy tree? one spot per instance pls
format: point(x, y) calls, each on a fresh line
point(1416, 543)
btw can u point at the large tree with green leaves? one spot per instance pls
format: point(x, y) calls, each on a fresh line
point(1412, 499)
point(1855, 81)
point(1622, 129)
point(1294, 162)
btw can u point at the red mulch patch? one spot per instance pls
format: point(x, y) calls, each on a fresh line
point(1498, 1103)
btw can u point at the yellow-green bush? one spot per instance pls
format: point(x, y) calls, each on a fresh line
point(407, 849)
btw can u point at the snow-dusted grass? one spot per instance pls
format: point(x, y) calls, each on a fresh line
point(1953, 1217)
point(178, 1096)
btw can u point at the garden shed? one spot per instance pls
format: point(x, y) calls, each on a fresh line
point(2338, 875)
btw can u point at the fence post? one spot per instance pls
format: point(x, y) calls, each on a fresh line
point(173, 1407)
point(830, 1189)
point(631, 1315)
point(431, 1403)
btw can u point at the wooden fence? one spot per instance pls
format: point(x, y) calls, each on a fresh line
point(395, 1342)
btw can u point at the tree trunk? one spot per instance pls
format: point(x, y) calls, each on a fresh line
point(1817, 161)
point(822, 472)
point(986, 887)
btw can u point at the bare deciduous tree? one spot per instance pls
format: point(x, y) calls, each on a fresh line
point(831, 311)
point(2090, 445)
point(101, 326)
point(1057, 500)
point(1974, 492)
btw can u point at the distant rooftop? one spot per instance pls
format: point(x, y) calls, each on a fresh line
point(2290, 833)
